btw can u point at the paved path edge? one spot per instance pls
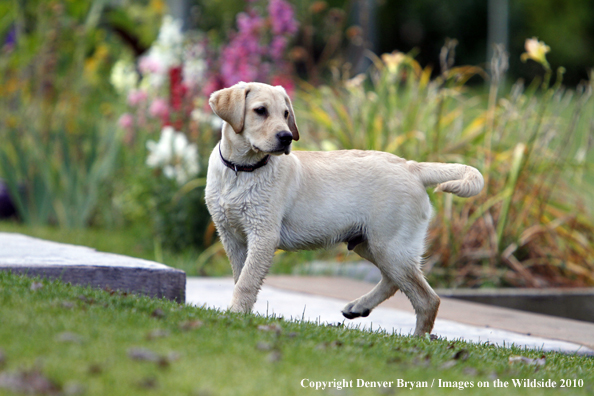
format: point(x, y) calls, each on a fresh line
point(158, 283)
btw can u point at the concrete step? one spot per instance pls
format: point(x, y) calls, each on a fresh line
point(84, 266)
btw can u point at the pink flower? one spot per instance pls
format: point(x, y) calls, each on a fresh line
point(126, 121)
point(136, 97)
point(241, 59)
point(282, 17)
point(214, 83)
point(284, 81)
point(249, 56)
point(159, 109)
point(149, 64)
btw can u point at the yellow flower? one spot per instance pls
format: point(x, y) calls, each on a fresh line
point(537, 51)
point(355, 82)
point(157, 5)
point(393, 60)
point(327, 145)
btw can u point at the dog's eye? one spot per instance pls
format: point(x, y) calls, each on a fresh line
point(260, 111)
point(286, 113)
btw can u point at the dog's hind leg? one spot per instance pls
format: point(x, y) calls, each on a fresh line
point(364, 304)
point(408, 276)
point(381, 292)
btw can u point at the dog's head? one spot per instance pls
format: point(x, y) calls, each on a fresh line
point(259, 113)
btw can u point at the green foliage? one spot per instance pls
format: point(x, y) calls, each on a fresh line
point(180, 219)
point(422, 26)
point(216, 17)
point(52, 180)
point(65, 163)
point(61, 149)
point(566, 26)
point(106, 342)
point(528, 227)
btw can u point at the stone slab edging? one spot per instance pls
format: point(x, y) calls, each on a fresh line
point(471, 313)
point(85, 266)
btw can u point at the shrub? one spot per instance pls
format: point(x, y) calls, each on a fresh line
point(530, 226)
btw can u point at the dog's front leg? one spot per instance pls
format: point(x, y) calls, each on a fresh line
point(259, 259)
point(236, 251)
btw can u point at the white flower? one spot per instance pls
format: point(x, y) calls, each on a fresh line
point(215, 122)
point(202, 117)
point(170, 34)
point(166, 52)
point(123, 76)
point(194, 65)
point(174, 155)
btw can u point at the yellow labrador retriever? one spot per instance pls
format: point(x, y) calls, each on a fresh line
point(262, 197)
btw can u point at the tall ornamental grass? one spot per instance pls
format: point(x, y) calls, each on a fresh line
point(58, 146)
point(532, 225)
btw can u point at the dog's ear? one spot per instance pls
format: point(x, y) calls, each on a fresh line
point(229, 104)
point(292, 123)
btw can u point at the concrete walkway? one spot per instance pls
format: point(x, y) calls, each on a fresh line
point(320, 299)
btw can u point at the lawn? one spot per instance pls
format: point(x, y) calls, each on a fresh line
point(61, 339)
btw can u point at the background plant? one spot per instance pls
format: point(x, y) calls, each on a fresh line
point(84, 86)
point(58, 145)
point(527, 228)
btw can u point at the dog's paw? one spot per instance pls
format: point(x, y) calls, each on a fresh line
point(237, 308)
point(351, 311)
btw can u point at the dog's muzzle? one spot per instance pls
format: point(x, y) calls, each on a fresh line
point(285, 138)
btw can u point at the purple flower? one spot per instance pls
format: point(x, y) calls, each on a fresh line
point(277, 47)
point(246, 58)
point(7, 205)
point(11, 37)
point(249, 23)
point(242, 57)
point(282, 17)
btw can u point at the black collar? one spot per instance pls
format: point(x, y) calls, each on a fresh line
point(243, 168)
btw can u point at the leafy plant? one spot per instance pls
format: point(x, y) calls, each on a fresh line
point(62, 181)
point(529, 227)
point(59, 147)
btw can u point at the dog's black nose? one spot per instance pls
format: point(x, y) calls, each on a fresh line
point(285, 137)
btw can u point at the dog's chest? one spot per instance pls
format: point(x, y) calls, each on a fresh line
point(236, 206)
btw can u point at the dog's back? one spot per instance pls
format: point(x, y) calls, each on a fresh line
point(350, 195)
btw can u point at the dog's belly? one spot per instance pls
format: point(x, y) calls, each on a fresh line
point(294, 237)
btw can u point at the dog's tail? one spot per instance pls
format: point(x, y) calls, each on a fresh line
point(462, 180)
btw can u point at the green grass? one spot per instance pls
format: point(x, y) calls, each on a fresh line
point(81, 338)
